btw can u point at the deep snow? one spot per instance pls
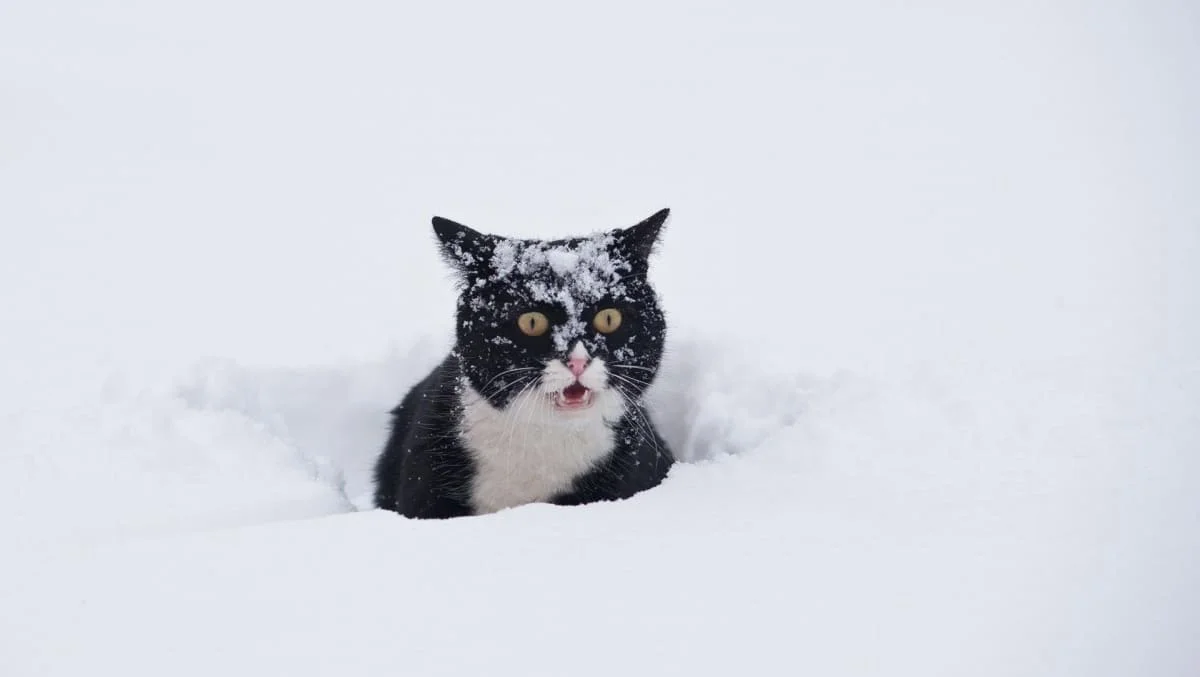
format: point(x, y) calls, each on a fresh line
point(934, 356)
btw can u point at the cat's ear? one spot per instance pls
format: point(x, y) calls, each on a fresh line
point(465, 249)
point(639, 241)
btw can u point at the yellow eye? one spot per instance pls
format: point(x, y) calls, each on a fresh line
point(607, 321)
point(533, 324)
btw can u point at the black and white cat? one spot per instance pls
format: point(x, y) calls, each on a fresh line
point(541, 398)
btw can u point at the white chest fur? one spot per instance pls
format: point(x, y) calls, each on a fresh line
point(528, 452)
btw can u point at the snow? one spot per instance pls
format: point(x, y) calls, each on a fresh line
point(562, 261)
point(933, 351)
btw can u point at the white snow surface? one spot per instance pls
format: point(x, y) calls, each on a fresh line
point(934, 348)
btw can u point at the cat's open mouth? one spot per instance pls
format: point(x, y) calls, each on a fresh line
point(574, 396)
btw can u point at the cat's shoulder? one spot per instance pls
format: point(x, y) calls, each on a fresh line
point(439, 382)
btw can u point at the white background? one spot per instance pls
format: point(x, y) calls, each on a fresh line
point(931, 281)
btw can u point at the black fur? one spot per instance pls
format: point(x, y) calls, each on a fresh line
point(425, 470)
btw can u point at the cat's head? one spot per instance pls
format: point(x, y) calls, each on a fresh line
point(572, 325)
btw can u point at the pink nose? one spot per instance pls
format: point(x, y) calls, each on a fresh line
point(577, 365)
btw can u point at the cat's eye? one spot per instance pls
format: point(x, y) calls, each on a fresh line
point(533, 323)
point(607, 321)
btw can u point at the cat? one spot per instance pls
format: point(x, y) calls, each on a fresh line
point(541, 398)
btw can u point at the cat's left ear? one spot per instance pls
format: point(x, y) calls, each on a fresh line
point(465, 249)
point(639, 241)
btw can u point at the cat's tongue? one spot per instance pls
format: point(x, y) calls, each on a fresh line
point(575, 393)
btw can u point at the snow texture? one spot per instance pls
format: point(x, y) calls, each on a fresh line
point(933, 364)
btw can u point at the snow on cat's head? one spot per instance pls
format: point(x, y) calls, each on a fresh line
point(572, 322)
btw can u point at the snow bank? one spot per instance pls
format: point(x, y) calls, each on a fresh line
point(133, 460)
point(949, 522)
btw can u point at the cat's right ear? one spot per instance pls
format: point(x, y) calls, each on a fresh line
point(638, 241)
point(465, 249)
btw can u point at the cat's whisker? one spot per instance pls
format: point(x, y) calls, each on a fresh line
point(630, 377)
point(509, 386)
point(630, 401)
point(528, 410)
point(647, 386)
point(642, 385)
point(510, 371)
point(522, 403)
point(643, 424)
point(646, 431)
point(510, 430)
point(626, 392)
point(525, 438)
point(628, 366)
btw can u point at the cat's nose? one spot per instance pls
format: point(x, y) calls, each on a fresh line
point(578, 360)
point(577, 365)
